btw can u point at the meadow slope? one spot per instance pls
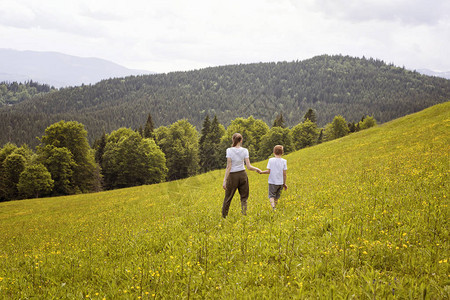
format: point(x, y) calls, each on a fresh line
point(365, 217)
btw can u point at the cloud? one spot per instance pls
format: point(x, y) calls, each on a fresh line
point(410, 12)
point(16, 15)
point(170, 35)
point(57, 16)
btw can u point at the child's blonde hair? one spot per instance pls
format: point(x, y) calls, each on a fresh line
point(278, 150)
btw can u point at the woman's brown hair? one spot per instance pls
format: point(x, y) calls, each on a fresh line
point(237, 138)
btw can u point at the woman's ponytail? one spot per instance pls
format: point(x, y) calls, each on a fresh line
point(237, 138)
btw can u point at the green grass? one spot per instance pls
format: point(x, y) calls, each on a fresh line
point(365, 217)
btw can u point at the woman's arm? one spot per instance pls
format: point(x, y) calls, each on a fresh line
point(250, 167)
point(227, 172)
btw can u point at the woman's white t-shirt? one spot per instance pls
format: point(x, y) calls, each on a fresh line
point(276, 165)
point(237, 156)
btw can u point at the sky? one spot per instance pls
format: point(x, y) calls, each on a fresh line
point(175, 35)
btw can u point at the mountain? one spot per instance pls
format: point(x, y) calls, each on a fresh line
point(366, 215)
point(57, 69)
point(428, 72)
point(331, 85)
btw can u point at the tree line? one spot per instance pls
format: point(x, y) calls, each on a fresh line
point(64, 163)
point(331, 85)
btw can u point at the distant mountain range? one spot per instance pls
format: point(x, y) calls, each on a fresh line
point(57, 69)
point(428, 72)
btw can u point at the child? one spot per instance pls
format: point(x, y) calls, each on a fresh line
point(277, 168)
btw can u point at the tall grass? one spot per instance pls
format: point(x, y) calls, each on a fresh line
point(365, 217)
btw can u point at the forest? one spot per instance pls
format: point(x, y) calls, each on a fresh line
point(65, 164)
point(330, 85)
point(15, 92)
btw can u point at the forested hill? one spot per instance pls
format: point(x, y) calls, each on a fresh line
point(332, 85)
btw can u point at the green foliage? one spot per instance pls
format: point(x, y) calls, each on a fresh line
point(4, 185)
point(72, 136)
point(279, 121)
point(252, 131)
point(99, 148)
point(365, 217)
point(13, 93)
point(179, 142)
point(367, 122)
point(148, 128)
point(130, 160)
point(25, 151)
point(6, 150)
point(209, 145)
point(330, 85)
point(336, 129)
point(13, 165)
point(310, 115)
point(35, 181)
point(305, 134)
point(61, 165)
point(275, 136)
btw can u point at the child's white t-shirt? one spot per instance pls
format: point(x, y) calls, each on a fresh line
point(237, 156)
point(276, 165)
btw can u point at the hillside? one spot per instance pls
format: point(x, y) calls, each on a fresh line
point(331, 85)
point(365, 217)
point(58, 69)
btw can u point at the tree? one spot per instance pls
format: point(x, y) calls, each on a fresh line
point(60, 164)
point(206, 150)
point(206, 129)
point(35, 181)
point(275, 136)
point(99, 148)
point(320, 138)
point(13, 166)
point(209, 150)
point(367, 122)
point(179, 142)
point(310, 115)
point(279, 121)
point(25, 151)
point(336, 129)
point(352, 127)
point(72, 135)
point(130, 160)
point(305, 134)
point(4, 153)
point(215, 136)
point(6, 150)
point(148, 128)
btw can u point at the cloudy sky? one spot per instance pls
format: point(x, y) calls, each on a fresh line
point(176, 35)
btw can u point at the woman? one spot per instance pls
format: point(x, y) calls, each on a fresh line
point(235, 175)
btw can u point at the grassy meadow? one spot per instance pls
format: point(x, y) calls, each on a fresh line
point(365, 217)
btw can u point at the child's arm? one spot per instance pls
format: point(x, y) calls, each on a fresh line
point(284, 179)
point(265, 172)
